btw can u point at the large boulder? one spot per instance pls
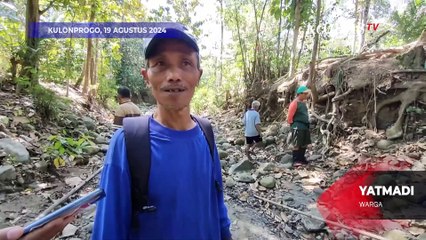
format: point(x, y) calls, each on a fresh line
point(243, 166)
point(7, 173)
point(15, 149)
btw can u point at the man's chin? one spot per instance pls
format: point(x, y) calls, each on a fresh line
point(174, 107)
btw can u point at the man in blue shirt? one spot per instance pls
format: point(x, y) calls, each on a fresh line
point(252, 130)
point(181, 182)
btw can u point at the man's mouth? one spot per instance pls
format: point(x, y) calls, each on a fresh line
point(174, 90)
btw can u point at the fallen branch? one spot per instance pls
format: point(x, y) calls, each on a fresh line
point(369, 45)
point(66, 196)
point(359, 231)
point(341, 96)
point(409, 71)
point(326, 96)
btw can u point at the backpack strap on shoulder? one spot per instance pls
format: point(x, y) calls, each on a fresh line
point(138, 148)
point(207, 129)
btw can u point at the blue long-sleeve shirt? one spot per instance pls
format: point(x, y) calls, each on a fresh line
point(181, 186)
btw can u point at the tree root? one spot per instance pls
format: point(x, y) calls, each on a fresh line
point(406, 98)
point(342, 96)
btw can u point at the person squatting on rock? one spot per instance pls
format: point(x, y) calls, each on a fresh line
point(252, 130)
point(127, 108)
point(183, 180)
point(298, 118)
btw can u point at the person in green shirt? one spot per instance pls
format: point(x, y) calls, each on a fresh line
point(298, 118)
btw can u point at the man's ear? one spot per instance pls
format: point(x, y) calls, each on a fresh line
point(144, 74)
point(201, 74)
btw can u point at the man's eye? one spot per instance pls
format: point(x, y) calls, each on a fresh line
point(187, 63)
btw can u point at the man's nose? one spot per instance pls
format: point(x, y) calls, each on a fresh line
point(173, 74)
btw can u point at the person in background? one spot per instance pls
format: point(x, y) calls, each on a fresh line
point(298, 119)
point(252, 130)
point(127, 108)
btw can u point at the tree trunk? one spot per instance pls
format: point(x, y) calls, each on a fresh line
point(279, 35)
point(284, 56)
point(257, 45)
point(312, 72)
point(356, 27)
point(221, 43)
point(241, 45)
point(31, 57)
point(297, 20)
point(301, 47)
point(88, 70)
point(364, 24)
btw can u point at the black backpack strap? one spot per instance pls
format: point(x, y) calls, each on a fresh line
point(207, 129)
point(138, 148)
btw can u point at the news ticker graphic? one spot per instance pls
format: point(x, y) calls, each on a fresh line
point(371, 196)
point(101, 29)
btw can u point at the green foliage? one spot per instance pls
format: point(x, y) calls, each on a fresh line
point(106, 90)
point(411, 22)
point(45, 103)
point(64, 149)
point(128, 68)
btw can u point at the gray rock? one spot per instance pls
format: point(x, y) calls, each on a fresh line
point(285, 129)
point(314, 157)
point(268, 182)
point(92, 149)
point(220, 140)
point(269, 140)
point(222, 154)
point(267, 167)
point(339, 173)
point(395, 235)
point(88, 227)
point(243, 166)
point(272, 131)
point(245, 177)
point(421, 236)
point(223, 163)
point(287, 159)
point(226, 146)
point(7, 172)
point(286, 165)
point(5, 120)
point(230, 182)
point(240, 141)
point(288, 198)
point(312, 225)
point(384, 144)
point(104, 148)
point(16, 149)
point(318, 191)
point(89, 123)
point(3, 135)
point(101, 140)
point(69, 231)
point(41, 166)
point(288, 229)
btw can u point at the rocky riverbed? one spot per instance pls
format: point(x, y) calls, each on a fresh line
point(30, 182)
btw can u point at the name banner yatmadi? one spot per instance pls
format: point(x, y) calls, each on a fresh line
point(395, 194)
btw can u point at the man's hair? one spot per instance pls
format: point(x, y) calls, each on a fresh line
point(196, 54)
point(255, 104)
point(123, 92)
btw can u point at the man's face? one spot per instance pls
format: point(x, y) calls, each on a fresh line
point(304, 95)
point(172, 74)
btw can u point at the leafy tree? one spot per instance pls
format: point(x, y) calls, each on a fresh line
point(412, 21)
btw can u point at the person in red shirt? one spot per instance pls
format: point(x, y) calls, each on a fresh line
point(298, 118)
